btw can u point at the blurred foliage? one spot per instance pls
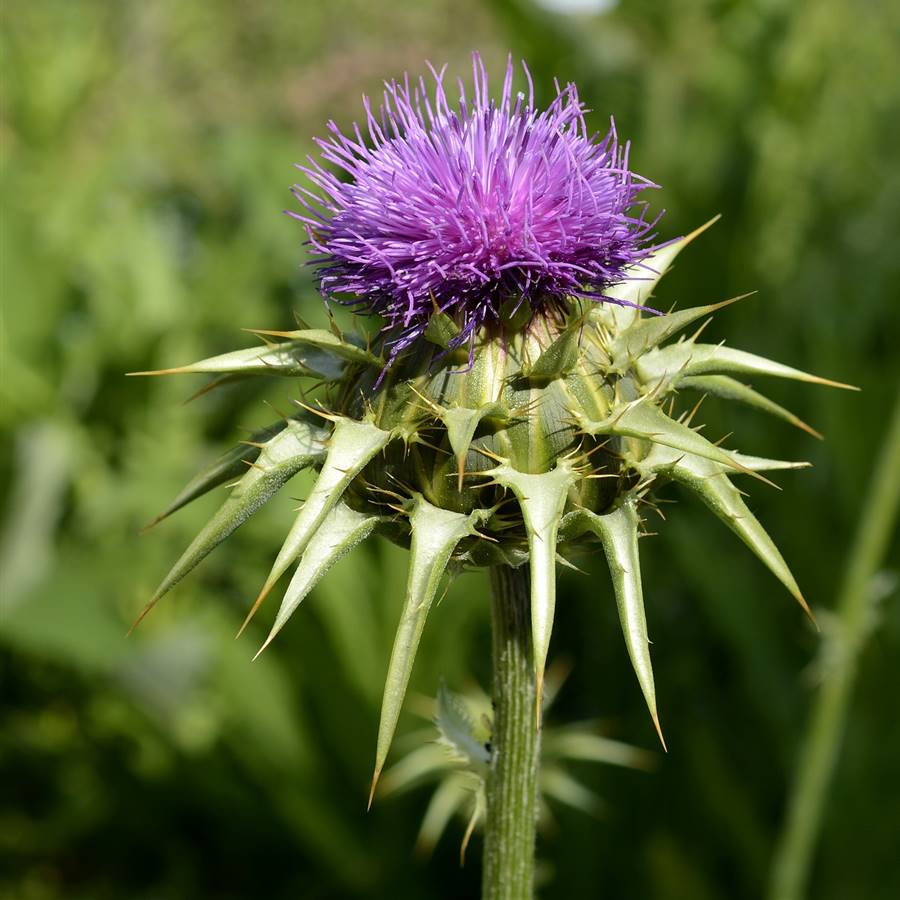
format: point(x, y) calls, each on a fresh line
point(146, 152)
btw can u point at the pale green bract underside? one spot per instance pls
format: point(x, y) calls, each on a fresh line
point(458, 762)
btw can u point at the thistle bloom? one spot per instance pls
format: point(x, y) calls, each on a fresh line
point(463, 208)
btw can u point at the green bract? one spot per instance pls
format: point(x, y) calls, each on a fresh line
point(545, 447)
point(458, 759)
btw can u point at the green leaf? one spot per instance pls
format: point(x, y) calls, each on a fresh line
point(352, 445)
point(709, 481)
point(289, 358)
point(562, 787)
point(299, 445)
point(435, 534)
point(417, 766)
point(730, 389)
point(227, 467)
point(542, 498)
point(451, 796)
point(577, 743)
point(670, 364)
point(341, 530)
point(618, 532)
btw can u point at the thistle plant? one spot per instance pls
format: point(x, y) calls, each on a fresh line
point(516, 407)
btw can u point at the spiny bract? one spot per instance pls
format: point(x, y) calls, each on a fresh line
point(546, 448)
point(538, 437)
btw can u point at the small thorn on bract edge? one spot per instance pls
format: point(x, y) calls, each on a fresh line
point(316, 411)
point(757, 475)
point(206, 389)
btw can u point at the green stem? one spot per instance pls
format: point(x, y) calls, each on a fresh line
point(818, 756)
point(515, 744)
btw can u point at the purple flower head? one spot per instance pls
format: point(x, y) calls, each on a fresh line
point(461, 208)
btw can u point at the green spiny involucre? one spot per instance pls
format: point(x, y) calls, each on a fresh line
point(510, 412)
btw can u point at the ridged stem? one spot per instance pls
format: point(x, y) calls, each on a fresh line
point(818, 756)
point(515, 744)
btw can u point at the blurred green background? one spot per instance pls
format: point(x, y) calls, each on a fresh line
point(147, 151)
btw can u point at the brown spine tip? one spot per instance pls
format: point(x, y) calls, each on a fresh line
point(152, 524)
point(470, 828)
point(141, 617)
point(256, 605)
point(698, 231)
point(809, 613)
point(266, 588)
point(177, 370)
point(658, 727)
point(268, 641)
point(375, 776)
point(827, 382)
point(799, 423)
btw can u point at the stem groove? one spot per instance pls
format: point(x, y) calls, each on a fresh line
point(515, 751)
